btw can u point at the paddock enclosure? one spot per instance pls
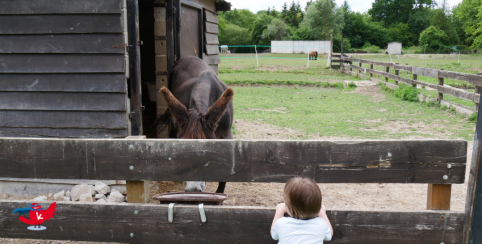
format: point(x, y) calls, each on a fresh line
point(76, 105)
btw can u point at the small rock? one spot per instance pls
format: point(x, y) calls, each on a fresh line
point(59, 196)
point(67, 194)
point(101, 200)
point(40, 198)
point(82, 189)
point(66, 199)
point(236, 121)
point(100, 196)
point(226, 203)
point(92, 190)
point(101, 188)
point(115, 196)
point(86, 198)
point(51, 195)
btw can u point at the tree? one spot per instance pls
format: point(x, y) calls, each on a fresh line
point(434, 39)
point(468, 12)
point(276, 30)
point(302, 33)
point(359, 28)
point(442, 21)
point(396, 11)
point(239, 17)
point(324, 18)
point(419, 21)
point(234, 35)
point(259, 25)
point(401, 33)
point(476, 30)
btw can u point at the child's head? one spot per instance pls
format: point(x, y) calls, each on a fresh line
point(302, 198)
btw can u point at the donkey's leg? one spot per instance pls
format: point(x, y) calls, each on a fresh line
point(221, 187)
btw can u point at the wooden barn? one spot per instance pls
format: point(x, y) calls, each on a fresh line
point(90, 69)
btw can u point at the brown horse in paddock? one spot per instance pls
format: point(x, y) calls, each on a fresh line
point(314, 54)
point(199, 107)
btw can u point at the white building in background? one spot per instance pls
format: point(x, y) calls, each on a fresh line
point(394, 48)
point(300, 46)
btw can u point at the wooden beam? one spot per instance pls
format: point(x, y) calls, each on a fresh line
point(60, 7)
point(137, 191)
point(148, 223)
point(377, 161)
point(473, 203)
point(438, 196)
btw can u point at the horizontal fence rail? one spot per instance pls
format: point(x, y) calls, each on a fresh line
point(373, 161)
point(141, 223)
point(475, 80)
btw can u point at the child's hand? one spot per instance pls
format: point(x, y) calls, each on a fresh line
point(281, 208)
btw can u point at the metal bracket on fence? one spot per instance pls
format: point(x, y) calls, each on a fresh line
point(201, 212)
point(170, 212)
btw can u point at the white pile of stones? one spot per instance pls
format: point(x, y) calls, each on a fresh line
point(86, 193)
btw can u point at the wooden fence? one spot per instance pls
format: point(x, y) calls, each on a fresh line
point(439, 74)
point(438, 162)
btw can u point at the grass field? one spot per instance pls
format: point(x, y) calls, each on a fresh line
point(338, 112)
point(333, 112)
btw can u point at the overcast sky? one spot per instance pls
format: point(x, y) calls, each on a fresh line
point(256, 5)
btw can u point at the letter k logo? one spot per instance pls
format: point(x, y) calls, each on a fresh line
point(39, 216)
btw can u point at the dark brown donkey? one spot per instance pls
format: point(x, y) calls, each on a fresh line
point(200, 107)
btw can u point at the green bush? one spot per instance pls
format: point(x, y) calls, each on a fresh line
point(351, 85)
point(407, 93)
point(473, 117)
point(371, 48)
point(434, 39)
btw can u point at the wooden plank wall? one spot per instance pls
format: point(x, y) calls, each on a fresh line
point(148, 223)
point(211, 51)
point(60, 75)
point(442, 88)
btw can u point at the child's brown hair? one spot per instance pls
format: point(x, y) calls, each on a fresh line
point(302, 198)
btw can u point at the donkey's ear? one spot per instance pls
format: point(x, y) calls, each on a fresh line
point(216, 112)
point(177, 110)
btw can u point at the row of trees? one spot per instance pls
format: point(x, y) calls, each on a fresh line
point(425, 23)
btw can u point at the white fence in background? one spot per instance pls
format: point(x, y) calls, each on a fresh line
point(300, 46)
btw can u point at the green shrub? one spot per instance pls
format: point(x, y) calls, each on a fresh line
point(456, 64)
point(473, 117)
point(407, 93)
point(434, 39)
point(370, 48)
point(444, 107)
point(351, 85)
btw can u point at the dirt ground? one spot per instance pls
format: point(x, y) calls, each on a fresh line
point(335, 196)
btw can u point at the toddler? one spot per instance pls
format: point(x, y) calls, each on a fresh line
point(308, 222)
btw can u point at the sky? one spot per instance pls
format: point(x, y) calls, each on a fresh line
point(256, 5)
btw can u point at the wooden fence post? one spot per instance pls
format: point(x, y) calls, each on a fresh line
point(477, 91)
point(396, 73)
point(438, 196)
point(359, 64)
point(137, 191)
point(440, 95)
point(371, 67)
point(414, 77)
point(387, 69)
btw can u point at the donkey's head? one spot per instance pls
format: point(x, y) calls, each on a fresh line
point(192, 124)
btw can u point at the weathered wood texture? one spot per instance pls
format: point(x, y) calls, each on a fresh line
point(61, 132)
point(211, 28)
point(137, 191)
point(65, 43)
point(116, 222)
point(211, 59)
point(211, 17)
point(62, 63)
point(62, 101)
point(399, 161)
point(60, 74)
point(211, 38)
point(212, 49)
point(438, 196)
point(63, 82)
point(60, 24)
point(59, 7)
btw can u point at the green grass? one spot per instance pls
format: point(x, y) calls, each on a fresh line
point(333, 112)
